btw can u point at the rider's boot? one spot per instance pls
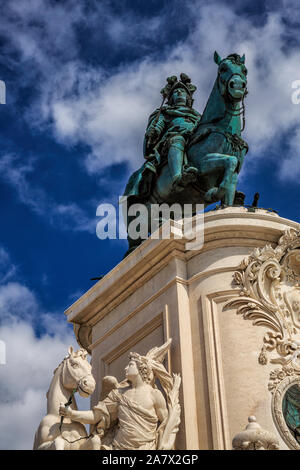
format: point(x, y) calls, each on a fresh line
point(180, 177)
point(175, 160)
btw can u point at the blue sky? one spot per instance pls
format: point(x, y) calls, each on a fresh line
point(82, 78)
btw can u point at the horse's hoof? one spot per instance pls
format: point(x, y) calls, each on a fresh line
point(212, 195)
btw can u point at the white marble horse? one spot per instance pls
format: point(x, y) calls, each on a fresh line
point(73, 373)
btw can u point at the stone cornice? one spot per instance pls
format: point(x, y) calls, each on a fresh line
point(224, 227)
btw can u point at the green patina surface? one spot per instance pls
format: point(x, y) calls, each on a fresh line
point(189, 158)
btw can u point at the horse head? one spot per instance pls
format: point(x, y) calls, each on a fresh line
point(77, 373)
point(232, 77)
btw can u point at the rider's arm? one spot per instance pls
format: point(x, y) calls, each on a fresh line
point(160, 125)
point(156, 127)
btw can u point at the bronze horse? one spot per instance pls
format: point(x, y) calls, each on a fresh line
point(215, 149)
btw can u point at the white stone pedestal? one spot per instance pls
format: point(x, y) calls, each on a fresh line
point(160, 291)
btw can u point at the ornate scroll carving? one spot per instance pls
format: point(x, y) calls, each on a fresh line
point(270, 296)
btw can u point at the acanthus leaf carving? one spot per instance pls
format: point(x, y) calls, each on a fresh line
point(269, 281)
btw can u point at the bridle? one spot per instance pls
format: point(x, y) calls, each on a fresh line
point(69, 402)
point(232, 112)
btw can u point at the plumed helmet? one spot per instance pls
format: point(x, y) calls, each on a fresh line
point(173, 83)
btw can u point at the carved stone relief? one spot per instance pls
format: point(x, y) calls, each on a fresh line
point(269, 279)
point(270, 296)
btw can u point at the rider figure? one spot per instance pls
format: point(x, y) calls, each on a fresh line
point(169, 129)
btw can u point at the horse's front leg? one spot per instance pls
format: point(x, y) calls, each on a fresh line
point(218, 163)
point(230, 163)
point(230, 193)
point(227, 187)
point(231, 185)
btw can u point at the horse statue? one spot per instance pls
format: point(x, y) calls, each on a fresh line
point(140, 413)
point(213, 154)
point(54, 433)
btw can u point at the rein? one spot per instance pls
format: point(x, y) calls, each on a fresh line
point(233, 112)
point(69, 402)
point(237, 112)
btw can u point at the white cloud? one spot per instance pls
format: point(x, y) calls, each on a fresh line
point(36, 341)
point(7, 268)
point(30, 361)
point(108, 111)
point(290, 165)
point(16, 299)
point(25, 379)
point(63, 215)
point(67, 216)
point(291, 10)
point(72, 216)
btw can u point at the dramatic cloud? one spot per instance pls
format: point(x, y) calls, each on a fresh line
point(7, 268)
point(108, 109)
point(60, 54)
point(30, 360)
point(64, 215)
point(26, 377)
